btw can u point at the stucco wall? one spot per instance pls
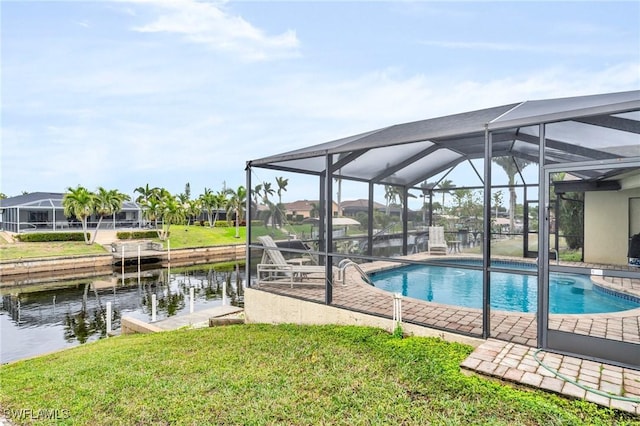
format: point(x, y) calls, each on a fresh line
point(263, 307)
point(606, 223)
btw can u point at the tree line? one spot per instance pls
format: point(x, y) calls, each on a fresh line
point(159, 207)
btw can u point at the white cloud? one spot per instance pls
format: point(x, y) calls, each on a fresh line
point(210, 24)
point(555, 48)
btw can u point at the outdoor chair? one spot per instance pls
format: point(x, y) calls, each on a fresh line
point(437, 243)
point(274, 269)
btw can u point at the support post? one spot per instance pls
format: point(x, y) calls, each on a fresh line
point(247, 266)
point(328, 249)
point(405, 219)
point(371, 214)
point(321, 219)
point(486, 239)
point(191, 299)
point(543, 244)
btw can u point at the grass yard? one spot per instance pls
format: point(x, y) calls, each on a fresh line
point(264, 374)
point(181, 236)
point(21, 250)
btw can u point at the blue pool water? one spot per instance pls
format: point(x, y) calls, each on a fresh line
point(568, 293)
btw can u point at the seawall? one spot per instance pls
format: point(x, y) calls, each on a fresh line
point(21, 271)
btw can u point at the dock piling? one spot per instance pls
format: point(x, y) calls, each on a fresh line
point(108, 318)
point(154, 306)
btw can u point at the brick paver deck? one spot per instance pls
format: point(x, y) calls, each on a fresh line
point(603, 384)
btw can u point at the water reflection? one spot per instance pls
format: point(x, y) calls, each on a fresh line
point(48, 316)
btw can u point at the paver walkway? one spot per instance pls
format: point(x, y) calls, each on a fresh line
point(603, 384)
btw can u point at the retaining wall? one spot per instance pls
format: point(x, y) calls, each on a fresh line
point(17, 272)
point(264, 307)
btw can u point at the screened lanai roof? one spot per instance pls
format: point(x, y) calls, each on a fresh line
point(578, 129)
point(47, 200)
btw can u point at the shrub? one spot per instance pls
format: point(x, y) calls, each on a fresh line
point(51, 236)
point(136, 235)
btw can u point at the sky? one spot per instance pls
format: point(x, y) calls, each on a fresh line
point(120, 94)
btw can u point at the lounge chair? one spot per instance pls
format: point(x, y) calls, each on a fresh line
point(437, 243)
point(273, 267)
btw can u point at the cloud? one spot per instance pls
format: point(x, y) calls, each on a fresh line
point(326, 109)
point(210, 24)
point(572, 49)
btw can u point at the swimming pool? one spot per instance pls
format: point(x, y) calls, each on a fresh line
point(568, 293)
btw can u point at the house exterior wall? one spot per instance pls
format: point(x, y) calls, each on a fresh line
point(607, 226)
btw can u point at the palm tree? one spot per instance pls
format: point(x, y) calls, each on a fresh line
point(315, 210)
point(219, 202)
point(207, 203)
point(183, 198)
point(497, 201)
point(236, 204)
point(187, 190)
point(172, 212)
point(266, 191)
point(145, 193)
point(282, 187)
point(107, 203)
point(152, 211)
point(511, 166)
point(79, 203)
point(390, 194)
point(445, 186)
point(256, 193)
point(193, 209)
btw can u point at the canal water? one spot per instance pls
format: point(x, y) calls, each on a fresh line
point(49, 316)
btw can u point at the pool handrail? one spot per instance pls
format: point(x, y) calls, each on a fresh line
point(345, 263)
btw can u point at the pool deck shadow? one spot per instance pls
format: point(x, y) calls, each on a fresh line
point(508, 355)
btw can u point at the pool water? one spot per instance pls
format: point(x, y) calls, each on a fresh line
point(568, 293)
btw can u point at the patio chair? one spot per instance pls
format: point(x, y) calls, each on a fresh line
point(437, 243)
point(274, 269)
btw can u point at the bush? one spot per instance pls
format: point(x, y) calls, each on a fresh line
point(220, 224)
point(51, 236)
point(136, 235)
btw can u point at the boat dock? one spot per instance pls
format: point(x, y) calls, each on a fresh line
point(203, 318)
point(146, 251)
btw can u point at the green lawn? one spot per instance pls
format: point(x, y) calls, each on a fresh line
point(266, 375)
point(181, 236)
point(20, 250)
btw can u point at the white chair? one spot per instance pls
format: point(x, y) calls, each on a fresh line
point(437, 243)
point(274, 269)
